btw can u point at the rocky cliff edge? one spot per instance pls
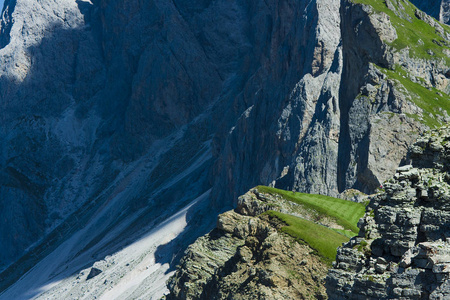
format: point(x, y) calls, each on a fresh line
point(246, 257)
point(403, 248)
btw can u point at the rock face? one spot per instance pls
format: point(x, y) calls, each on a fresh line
point(440, 10)
point(403, 246)
point(115, 114)
point(246, 257)
point(331, 129)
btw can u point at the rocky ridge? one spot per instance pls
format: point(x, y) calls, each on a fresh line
point(403, 248)
point(385, 92)
point(246, 257)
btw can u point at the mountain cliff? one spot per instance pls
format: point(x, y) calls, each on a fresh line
point(275, 245)
point(123, 118)
point(440, 10)
point(402, 250)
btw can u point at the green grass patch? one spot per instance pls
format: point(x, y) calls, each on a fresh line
point(346, 213)
point(414, 33)
point(322, 239)
point(346, 233)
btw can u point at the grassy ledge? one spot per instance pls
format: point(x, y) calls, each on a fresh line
point(322, 239)
point(431, 101)
point(346, 213)
point(414, 33)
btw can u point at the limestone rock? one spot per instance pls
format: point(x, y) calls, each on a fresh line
point(383, 26)
point(353, 195)
point(248, 258)
point(404, 235)
point(114, 108)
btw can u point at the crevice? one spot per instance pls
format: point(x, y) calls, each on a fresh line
point(421, 236)
point(347, 92)
point(360, 46)
point(7, 22)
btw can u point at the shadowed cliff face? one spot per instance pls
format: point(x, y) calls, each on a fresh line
point(114, 114)
point(89, 90)
point(316, 124)
point(295, 102)
point(440, 10)
point(109, 109)
point(94, 96)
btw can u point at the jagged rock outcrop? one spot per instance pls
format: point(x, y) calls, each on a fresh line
point(246, 257)
point(284, 108)
point(402, 251)
point(375, 98)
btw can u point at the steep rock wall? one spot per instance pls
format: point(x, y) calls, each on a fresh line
point(440, 10)
point(85, 143)
point(297, 93)
point(329, 134)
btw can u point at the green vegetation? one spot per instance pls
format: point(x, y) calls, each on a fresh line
point(423, 42)
point(364, 248)
point(322, 239)
point(347, 233)
point(294, 274)
point(412, 32)
point(361, 246)
point(429, 100)
point(346, 213)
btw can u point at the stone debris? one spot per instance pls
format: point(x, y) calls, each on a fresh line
point(94, 272)
point(403, 247)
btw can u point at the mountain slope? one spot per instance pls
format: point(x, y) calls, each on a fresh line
point(117, 114)
point(272, 246)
